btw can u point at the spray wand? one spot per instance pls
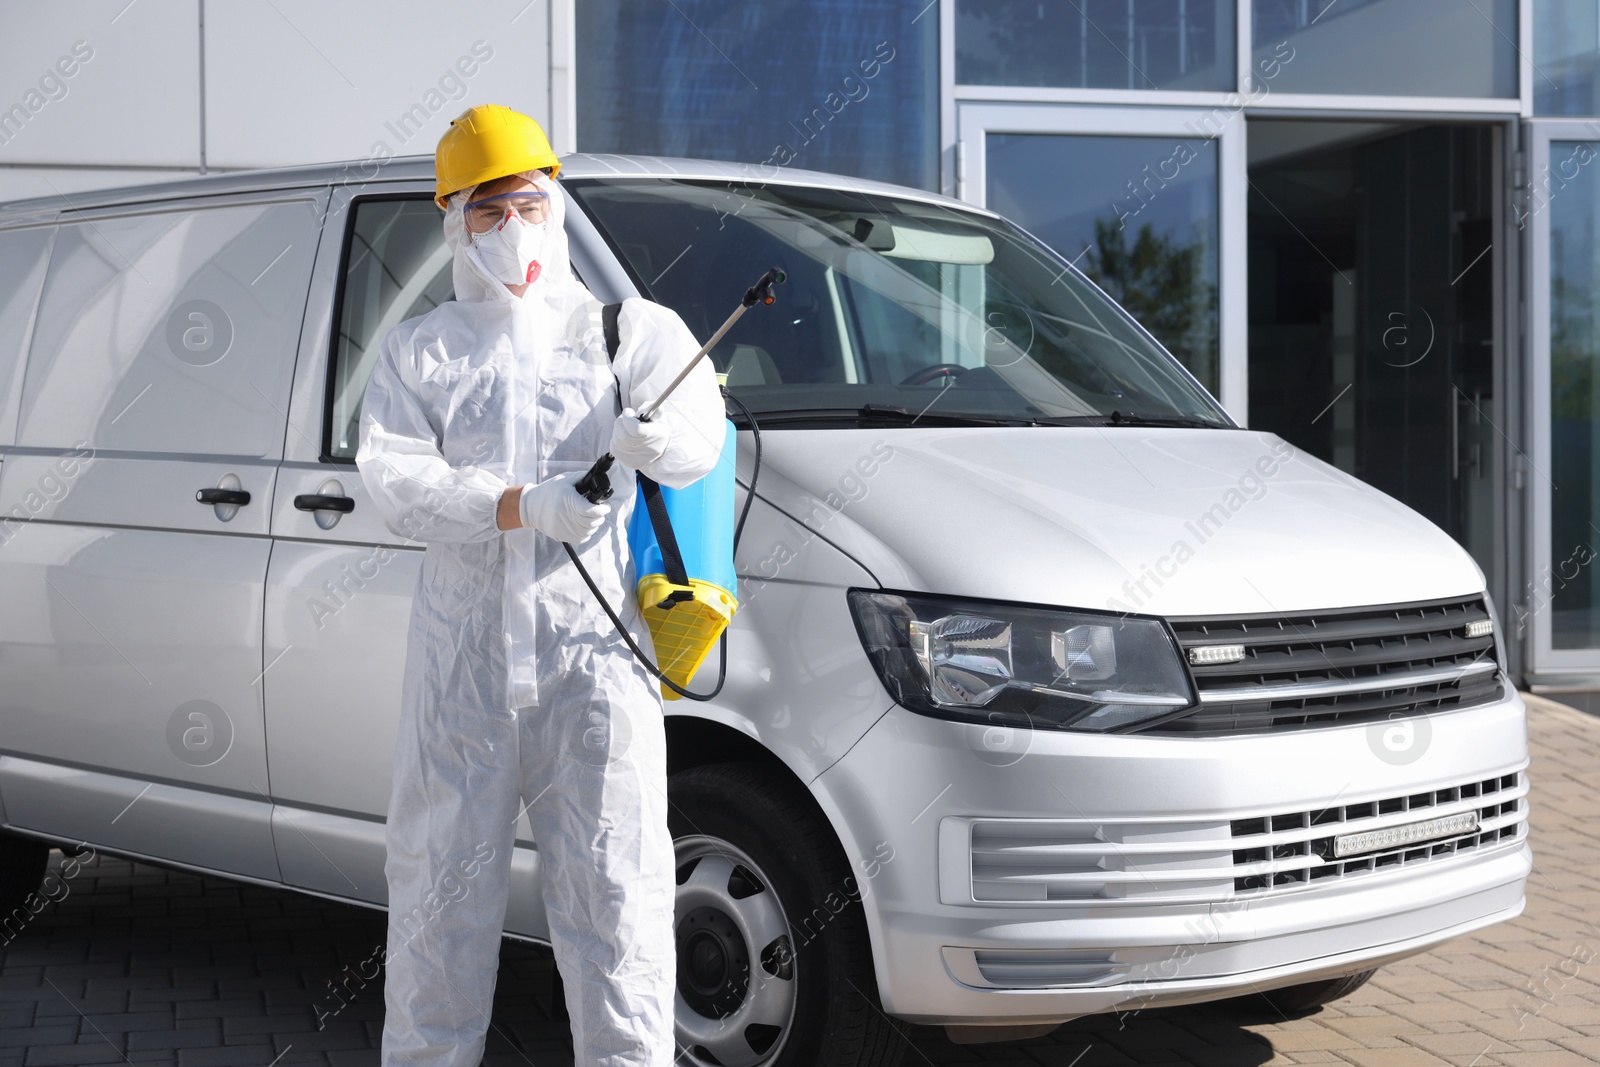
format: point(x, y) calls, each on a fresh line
point(595, 485)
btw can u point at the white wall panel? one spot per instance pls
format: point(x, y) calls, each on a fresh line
point(133, 95)
point(302, 81)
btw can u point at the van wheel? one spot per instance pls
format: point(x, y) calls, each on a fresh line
point(22, 865)
point(754, 987)
point(1299, 999)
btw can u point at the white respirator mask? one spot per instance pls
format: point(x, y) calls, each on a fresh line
point(510, 251)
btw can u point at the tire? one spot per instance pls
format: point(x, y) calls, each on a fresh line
point(1299, 999)
point(754, 855)
point(22, 865)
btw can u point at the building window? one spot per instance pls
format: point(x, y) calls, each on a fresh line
point(1391, 47)
point(1570, 586)
point(826, 84)
point(1138, 215)
point(1566, 50)
point(1096, 44)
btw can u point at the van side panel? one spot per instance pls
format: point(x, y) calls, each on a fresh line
point(157, 819)
point(131, 635)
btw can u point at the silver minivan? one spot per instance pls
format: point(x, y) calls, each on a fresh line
point(1052, 690)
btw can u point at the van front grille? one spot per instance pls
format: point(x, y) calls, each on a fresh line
point(1298, 848)
point(1337, 667)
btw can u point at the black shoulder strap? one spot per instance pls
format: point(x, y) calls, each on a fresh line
point(671, 558)
point(608, 323)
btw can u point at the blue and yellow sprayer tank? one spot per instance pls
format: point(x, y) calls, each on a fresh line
point(685, 620)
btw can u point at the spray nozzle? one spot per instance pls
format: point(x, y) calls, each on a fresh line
point(761, 291)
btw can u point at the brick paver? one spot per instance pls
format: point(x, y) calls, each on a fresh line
point(144, 966)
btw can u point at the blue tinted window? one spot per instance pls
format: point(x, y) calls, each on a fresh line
point(1138, 215)
point(1096, 44)
point(1569, 587)
point(1389, 47)
point(1566, 50)
point(826, 84)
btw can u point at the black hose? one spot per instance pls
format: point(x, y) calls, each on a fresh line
point(738, 532)
point(755, 467)
point(638, 653)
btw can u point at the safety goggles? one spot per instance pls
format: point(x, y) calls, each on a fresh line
point(530, 205)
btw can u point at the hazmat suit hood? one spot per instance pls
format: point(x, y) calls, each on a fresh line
point(556, 283)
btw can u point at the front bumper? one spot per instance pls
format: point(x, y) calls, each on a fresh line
point(1121, 870)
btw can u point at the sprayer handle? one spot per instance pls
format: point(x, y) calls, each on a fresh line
point(595, 485)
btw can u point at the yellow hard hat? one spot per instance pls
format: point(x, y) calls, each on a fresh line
point(485, 143)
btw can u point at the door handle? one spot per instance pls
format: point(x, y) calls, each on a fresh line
point(324, 502)
point(236, 497)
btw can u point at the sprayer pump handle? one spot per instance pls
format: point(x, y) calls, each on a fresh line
point(595, 485)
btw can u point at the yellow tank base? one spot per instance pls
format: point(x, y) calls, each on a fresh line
point(687, 627)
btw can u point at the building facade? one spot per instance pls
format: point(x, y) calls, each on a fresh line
point(1369, 226)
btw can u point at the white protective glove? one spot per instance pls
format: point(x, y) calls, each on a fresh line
point(556, 509)
point(637, 443)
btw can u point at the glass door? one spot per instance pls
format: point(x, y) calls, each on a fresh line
point(1560, 600)
point(1374, 310)
point(1149, 204)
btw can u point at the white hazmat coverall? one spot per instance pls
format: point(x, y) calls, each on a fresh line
point(518, 691)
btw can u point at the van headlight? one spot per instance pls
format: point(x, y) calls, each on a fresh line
point(1020, 666)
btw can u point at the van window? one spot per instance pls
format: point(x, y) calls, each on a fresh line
point(23, 255)
point(171, 331)
point(894, 309)
point(396, 267)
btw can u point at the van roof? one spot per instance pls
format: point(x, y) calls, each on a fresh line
point(415, 168)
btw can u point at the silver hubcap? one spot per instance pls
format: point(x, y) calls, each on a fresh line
point(736, 966)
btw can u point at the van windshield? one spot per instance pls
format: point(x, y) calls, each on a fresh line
point(894, 312)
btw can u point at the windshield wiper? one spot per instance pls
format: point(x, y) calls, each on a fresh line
point(889, 413)
point(893, 414)
point(1126, 418)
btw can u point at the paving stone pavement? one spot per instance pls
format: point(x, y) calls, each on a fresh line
point(145, 966)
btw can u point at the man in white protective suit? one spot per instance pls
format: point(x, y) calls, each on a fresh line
point(519, 693)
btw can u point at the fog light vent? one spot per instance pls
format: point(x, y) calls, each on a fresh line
point(1025, 969)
